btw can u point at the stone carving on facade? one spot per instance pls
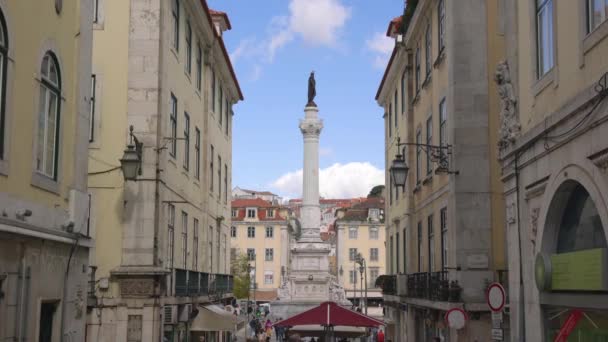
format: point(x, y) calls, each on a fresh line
point(311, 128)
point(511, 213)
point(136, 287)
point(509, 121)
point(79, 303)
point(534, 224)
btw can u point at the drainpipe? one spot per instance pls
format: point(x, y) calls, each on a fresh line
point(522, 301)
point(65, 291)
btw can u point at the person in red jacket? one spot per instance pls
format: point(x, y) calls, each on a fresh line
point(380, 336)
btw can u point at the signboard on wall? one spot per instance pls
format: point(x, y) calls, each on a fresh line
point(585, 270)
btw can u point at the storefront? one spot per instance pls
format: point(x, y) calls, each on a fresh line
point(212, 324)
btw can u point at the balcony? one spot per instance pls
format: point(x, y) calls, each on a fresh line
point(193, 284)
point(433, 286)
point(388, 283)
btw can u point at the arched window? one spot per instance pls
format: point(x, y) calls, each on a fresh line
point(3, 64)
point(48, 117)
point(580, 226)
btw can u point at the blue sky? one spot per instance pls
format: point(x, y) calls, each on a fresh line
point(274, 45)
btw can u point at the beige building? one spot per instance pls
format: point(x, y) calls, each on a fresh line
point(554, 148)
point(445, 235)
point(44, 235)
point(259, 230)
point(163, 247)
point(360, 231)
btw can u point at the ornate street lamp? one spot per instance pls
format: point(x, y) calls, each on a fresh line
point(130, 163)
point(399, 170)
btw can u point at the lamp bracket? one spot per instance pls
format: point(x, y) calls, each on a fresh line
point(139, 147)
point(439, 154)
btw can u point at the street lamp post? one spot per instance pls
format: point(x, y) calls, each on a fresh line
point(363, 271)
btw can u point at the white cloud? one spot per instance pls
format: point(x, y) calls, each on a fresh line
point(245, 48)
point(256, 73)
point(381, 47)
point(354, 179)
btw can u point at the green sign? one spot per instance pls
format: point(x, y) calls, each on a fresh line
point(580, 271)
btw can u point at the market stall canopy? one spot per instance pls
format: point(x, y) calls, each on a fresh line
point(330, 314)
point(319, 331)
point(213, 318)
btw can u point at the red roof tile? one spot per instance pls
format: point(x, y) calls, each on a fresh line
point(394, 25)
point(221, 14)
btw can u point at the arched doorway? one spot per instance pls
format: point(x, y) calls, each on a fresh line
point(572, 270)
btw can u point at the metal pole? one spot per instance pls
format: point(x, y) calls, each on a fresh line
point(361, 300)
point(365, 270)
point(354, 281)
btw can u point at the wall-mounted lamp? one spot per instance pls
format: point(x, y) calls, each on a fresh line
point(130, 163)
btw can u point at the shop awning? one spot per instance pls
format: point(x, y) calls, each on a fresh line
point(213, 318)
point(319, 331)
point(330, 314)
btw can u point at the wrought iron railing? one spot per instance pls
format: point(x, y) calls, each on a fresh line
point(431, 285)
point(191, 283)
point(389, 284)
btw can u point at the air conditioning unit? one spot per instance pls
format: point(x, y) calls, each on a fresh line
point(185, 312)
point(170, 314)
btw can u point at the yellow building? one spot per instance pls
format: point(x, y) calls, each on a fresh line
point(44, 235)
point(160, 67)
point(259, 230)
point(445, 235)
point(554, 148)
point(360, 231)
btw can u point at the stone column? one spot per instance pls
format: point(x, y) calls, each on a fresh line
point(311, 127)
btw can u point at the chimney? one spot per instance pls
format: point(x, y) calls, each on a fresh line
point(221, 22)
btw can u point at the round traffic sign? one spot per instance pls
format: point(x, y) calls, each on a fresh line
point(456, 318)
point(496, 297)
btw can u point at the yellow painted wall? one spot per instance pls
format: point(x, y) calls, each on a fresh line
point(363, 243)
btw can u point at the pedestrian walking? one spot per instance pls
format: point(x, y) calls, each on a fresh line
point(380, 336)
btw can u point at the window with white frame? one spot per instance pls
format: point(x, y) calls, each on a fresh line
point(233, 231)
point(352, 254)
point(544, 36)
point(373, 254)
point(353, 232)
point(197, 153)
point(429, 141)
point(352, 276)
point(251, 232)
point(251, 254)
point(184, 239)
point(173, 126)
point(268, 277)
point(373, 233)
point(47, 151)
point(269, 232)
point(3, 65)
point(374, 273)
point(188, 47)
point(251, 212)
point(374, 213)
point(269, 254)
point(170, 234)
point(92, 113)
point(597, 12)
point(270, 213)
point(235, 212)
point(195, 245)
point(441, 24)
point(443, 123)
point(428, 50)
point(175, 19)
point(186, 141)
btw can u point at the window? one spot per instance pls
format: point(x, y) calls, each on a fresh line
point(269, 254)
point(352, 276)
point(95, 11)
point(92, 108)
point(390, 120)
point(199, 67)
point(597, 11)
point(431, 240)
point(211, 176)
point(417, 69)
point(268, 278)
point(188, 48)
point(443, 123)
point(418, 155)
point(374, 214)
point(544, 36)
point(441, 24)
point(47, 153)
point(210, 249)
point(353, 232)
point(429, 141)
point(270, 213)
point(391, 253)
point(171, 235)
point(373, 254)
point(175, 13)
point(404, 251)
point(197, 153)
point(173, 126)
point(134, 328)
point(419, 246)
point(219, 177)
point(233, 231)
point(269, 232)
point(374, 273)
point(251, 254)
point(403, 92)
point(213, 103)
point(444, 238)
point(251, 213)
point(186, 141)
point(352, 254)
point(225, 183)
point(427, 50)
point(251, 232)
point(220, 113)
point(3, 65)
point(226, 111)
point(184, 239)
point(397, 269)
point(373, 233)
point(235, 212)
point(47, 320)
point(195, 246)
point(396, 107)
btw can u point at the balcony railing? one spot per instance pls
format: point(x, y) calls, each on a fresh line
point(192, 284)
point(433, 286)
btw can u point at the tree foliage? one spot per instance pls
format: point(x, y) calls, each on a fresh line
point(240, 271)
point(376, 191)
